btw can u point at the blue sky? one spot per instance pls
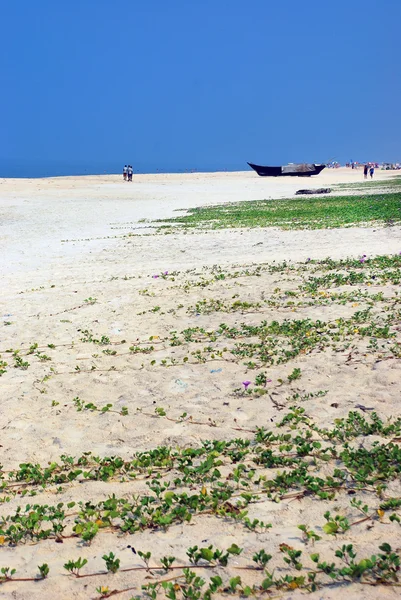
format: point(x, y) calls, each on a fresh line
point(88, 85)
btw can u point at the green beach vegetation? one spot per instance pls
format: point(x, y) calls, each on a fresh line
point(292, 330)
point(296, 213)
point(392, 184)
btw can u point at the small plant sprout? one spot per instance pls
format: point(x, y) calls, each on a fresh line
point(146, 556)
point(309, 534)
point(19, 363)
point(292, 556)
point(296, 374)
point(43, 570)
point(112, 563)
point(234, 550)
point(338, 524)
point(86, 530)
point(167, 561)
point(6, 574)
point(261, 558)
point(234, 583)
point(262, 380)
point(74, 566)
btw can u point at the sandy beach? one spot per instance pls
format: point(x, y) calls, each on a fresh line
point(38, 214)
point(85, 279)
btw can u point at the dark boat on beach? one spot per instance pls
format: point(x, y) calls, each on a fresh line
point(291, 170)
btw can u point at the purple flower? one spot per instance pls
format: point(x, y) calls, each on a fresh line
point(269, 380)
point(165, 273)
point(246, 383)
point(308, 259)
point(155, 276)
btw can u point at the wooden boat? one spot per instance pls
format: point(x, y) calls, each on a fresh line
point(291, 170)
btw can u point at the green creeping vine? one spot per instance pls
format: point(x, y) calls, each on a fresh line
point(80, 405)
point(280, 342)
point(202, 463)
point(377, 570)
point(272, 342)
point(226, 481)
point(274, 465)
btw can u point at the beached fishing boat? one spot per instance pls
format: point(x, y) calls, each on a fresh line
point(292, 170)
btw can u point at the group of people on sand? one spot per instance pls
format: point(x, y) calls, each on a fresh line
point(127, 172)
point(368, 168)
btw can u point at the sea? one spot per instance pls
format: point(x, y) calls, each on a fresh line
point(15, 168)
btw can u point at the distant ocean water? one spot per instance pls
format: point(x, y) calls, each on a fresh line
point(14, 168)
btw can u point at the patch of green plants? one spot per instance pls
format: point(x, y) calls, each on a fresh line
point(276, 343)
point(87, 336)
point(19, 363)
point(3, 366)
point(393, 183)
point(80, 405)
point(297, 572)
point(348, 467)
point(296, 213)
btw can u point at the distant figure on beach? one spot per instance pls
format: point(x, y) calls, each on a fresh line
point(125, 171)
point(130, 171)
point(365, 171)
point(371, 171)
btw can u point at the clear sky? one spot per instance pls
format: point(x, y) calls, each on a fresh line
point(88, 85)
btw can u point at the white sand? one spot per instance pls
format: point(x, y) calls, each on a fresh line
point(45, 282)
point(37, 214)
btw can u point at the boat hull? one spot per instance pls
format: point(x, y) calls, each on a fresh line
point(277, 171)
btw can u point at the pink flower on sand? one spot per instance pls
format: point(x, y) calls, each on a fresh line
point(165, 273)
point(246, 384)
point(155, 276)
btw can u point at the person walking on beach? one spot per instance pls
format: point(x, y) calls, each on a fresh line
point(130, 171)
point(371, 171)
point(125, 171)
point(365, 171)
